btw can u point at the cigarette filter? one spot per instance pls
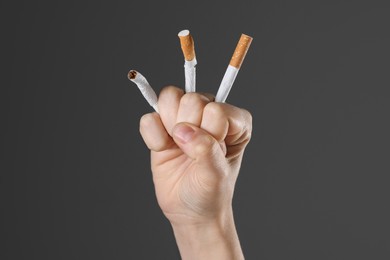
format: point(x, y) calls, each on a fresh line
point(233, 68)
point(145, 88)
point(187, 46)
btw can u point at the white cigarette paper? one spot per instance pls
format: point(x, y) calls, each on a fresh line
point(145, 88)
point(187, 46)
point(233, 68)
point(226, 84)
point(190, 75)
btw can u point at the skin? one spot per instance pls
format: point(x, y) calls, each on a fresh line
point(196, 152)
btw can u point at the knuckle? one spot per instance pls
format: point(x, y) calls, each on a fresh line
point(192, 99)
point(210, 97)
point(171, 90)
point(158, 146)
point(145, 121)
point(247, 117)
point(214, 109)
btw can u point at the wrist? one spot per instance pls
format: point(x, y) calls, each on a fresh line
point(215, 239)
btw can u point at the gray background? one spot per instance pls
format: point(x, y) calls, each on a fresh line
point(75, 177)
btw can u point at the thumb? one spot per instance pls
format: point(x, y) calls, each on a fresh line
point(197, 143)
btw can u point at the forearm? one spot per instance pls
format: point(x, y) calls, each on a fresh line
point(214, 240)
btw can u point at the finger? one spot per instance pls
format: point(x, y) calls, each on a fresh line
point(154, 134)
point(168, 105)
point(227, 123)
point(210, 96)
point(198, 144)
point(191, 108)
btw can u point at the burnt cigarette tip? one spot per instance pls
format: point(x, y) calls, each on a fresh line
point(132, 74)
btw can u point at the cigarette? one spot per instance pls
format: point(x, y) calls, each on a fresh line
point(145, 88)
point(233, 68)
point(187, 46)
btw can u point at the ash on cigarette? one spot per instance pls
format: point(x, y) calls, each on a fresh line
point(132, 74)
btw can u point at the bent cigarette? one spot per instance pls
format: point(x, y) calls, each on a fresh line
point(145, 88)
point(187, 46)
point(233, 68)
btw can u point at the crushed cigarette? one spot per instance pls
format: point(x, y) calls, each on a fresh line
point(145, 88)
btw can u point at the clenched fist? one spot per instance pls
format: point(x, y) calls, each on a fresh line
point(196, 152)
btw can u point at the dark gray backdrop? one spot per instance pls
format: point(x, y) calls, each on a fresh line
point(75, 177)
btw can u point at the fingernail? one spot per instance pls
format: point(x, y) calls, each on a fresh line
point(184, 133)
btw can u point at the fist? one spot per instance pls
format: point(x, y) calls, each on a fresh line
point(196, 151)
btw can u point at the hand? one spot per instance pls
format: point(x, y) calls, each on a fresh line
point(196, 151)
